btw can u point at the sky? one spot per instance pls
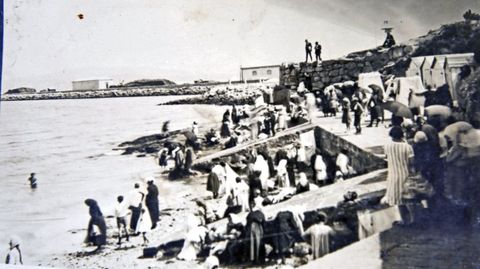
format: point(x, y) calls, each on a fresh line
point(47, 45)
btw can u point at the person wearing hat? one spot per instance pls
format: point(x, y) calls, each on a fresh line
point(151, 201)
point(14, 255)
point(33, 181)
point(399, 155)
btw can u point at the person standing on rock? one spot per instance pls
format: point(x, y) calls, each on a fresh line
point(308, 51)
point(318, 52)
point(151, 201)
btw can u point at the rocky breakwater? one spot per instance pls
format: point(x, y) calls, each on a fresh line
point(224, 95)
point(392, 60)
point(108, 93)
point(151, 144)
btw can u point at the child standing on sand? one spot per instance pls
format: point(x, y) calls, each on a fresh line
point(121, 212)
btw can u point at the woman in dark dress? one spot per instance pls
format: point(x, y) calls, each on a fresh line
point(255, 184)
point(374, 107)
point(225, 129)
point(162, 159)
point(286, 233)
point(226, 116)
point(96, 219)
point(188, 161)
point(235, 116)
point(346, 118)
point(151, 202)
point(254, 236)
point(213, 184)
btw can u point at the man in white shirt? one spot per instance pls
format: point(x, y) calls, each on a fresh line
point(121, 212)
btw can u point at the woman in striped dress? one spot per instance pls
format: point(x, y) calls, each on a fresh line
point(398, 154)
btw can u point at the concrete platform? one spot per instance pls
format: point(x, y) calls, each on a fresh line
point(436, 246)
point(371, 139)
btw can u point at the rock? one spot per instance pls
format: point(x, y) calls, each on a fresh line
point(333, 73)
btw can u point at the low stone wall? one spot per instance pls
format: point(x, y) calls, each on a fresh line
point(362, 161)
point(327, 143)
point(347, 68)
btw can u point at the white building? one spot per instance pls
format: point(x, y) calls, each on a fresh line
point(93, 84)
point(453, 65)
point(438, 71)
point(415, 67)
point(268, 72)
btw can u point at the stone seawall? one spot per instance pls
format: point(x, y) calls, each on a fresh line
point(327, 143)
point(362, 161)
point(393, 60)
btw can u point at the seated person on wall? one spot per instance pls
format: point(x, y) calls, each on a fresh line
point(389, 41)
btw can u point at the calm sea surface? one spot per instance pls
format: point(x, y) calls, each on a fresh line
point(69, 145)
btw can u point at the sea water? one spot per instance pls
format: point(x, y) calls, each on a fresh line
point(69, 145)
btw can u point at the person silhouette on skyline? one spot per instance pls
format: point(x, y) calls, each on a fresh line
point(308, 50)
point(318, 52)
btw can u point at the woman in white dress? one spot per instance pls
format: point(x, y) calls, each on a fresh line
point(320, 170)
point(282, 174)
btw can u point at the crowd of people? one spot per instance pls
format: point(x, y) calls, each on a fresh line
point(135, 214)
point(433, 160)
point(290, 236)
point(245, 184)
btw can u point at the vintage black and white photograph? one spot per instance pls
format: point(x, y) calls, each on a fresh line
point(240, 134)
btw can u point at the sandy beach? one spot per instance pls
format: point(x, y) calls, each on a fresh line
point(74, 159)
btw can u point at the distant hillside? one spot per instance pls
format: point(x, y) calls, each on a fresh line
point(149, 82)
point(459, 37)
point(23, 90)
